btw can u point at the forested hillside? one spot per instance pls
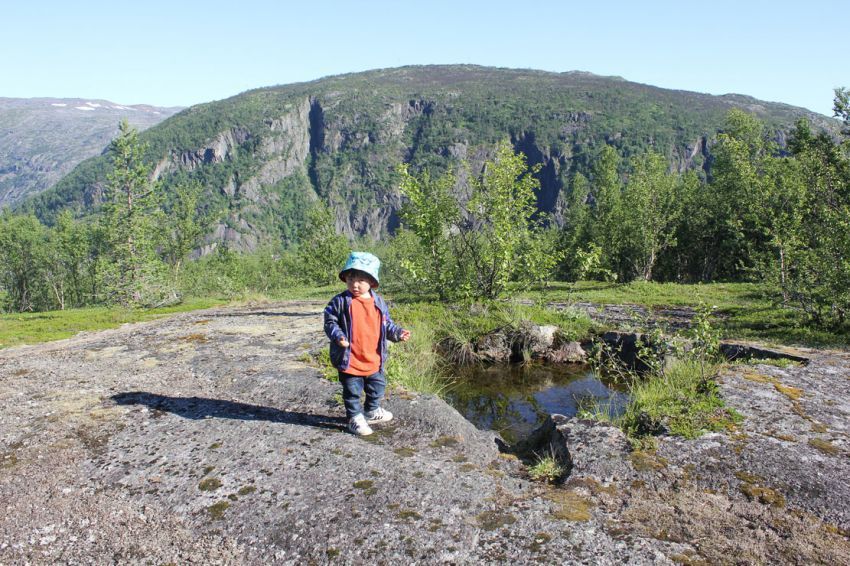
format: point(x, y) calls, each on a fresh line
point(487, 180)
point(263, 155)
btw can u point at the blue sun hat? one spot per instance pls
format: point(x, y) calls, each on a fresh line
point(365, 262)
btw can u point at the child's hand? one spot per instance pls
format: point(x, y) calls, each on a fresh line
point(343, 342)
point(405, 335)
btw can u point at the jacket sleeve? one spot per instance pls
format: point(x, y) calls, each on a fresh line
point(332, 328)
point(393, 330)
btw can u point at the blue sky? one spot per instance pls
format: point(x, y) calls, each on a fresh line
point(184, 52)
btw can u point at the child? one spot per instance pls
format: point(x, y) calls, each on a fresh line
point(358, 323)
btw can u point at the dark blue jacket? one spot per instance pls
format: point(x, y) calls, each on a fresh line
point(338, 325)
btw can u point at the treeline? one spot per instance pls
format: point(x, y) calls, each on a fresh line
point(128, 255)
point(765, 213)
point(780, 216)
point(135, 251)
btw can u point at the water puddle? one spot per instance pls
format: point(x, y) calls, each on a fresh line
point(513, 400)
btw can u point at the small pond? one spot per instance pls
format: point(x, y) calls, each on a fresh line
point(514, 399)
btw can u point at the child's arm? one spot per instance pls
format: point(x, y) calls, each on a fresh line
point(332, 328)
point(396, 333)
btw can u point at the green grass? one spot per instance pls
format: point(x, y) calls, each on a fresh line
point(415, 365)
point(34, 328)
point(724, 295)
point(683, 400)
point(680, 399)
point(546, 469)
point(744, 310)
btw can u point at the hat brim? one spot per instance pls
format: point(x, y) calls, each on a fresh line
point(373, 282)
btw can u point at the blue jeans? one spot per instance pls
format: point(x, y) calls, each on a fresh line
point(354, 385)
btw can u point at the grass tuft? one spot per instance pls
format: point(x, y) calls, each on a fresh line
point(677, 400)
point(546, 469)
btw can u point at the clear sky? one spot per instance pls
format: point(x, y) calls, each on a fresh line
point(184, 52)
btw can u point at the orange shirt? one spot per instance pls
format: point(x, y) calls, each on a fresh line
point(365, 337)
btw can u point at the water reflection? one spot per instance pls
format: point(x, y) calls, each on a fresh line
point(514, 400)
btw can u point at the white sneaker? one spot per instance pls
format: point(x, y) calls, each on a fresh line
point(379, 415)
point(358, 425)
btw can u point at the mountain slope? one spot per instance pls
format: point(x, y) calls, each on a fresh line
point(43, 139)
point(265, 154)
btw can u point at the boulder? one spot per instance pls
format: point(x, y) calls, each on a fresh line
point(542, 337)
point(587, 449)
point(494, 347)
point(568, 352)
point(533, 340)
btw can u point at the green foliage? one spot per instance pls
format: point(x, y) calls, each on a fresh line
point(676, 391)
point(650, 211)
point(44, 269)
point(738, 173)
point(541, 252)
point(576, 237)
point(607, 191)
point(589, 265)
point(69, 262)
point(818, 266)
point(23, 254)
point(546, 469)
point(430, 213)
point(228, 274)
point(133, 273)
point(500, 220)
point(184, 228)
point(322, 252)
point(705, 339)
point(765, 216)
point(841, 108)
point(593, 220)
point(620, 230)
point(476, 249)
point(745, 222)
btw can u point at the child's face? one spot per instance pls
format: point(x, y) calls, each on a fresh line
point(359, 284)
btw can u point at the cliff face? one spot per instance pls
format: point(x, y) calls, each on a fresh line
point(43, 139)
point(265, 155)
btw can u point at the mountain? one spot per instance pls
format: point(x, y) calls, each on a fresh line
point(265, 154)
point(43, 139)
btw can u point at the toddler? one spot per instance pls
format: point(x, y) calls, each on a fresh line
point(358, 324)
